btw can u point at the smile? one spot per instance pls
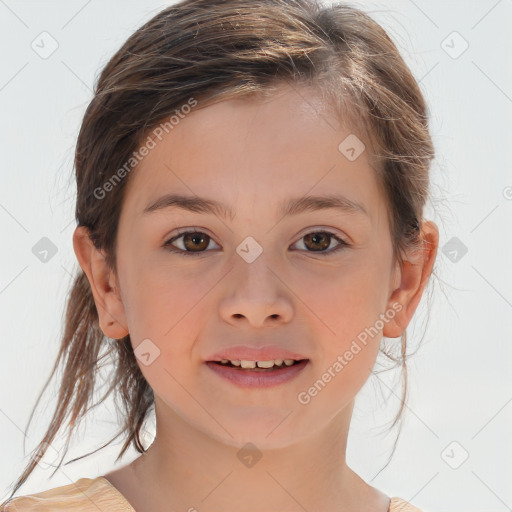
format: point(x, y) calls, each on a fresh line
point(254, 374)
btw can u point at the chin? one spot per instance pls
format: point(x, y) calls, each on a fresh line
point(266, 430)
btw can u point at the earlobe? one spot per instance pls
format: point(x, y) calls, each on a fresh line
point(414, 275)
point(103, 285)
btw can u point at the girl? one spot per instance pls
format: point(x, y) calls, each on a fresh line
point(251, 178)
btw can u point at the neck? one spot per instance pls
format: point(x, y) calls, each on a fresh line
point(186, 469)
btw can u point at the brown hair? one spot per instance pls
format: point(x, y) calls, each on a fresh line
point(212, 50)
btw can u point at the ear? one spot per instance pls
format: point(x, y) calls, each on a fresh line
point(103, 284)
point(411, 280)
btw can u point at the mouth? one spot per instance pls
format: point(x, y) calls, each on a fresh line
point(259, 366)
point(258, 374)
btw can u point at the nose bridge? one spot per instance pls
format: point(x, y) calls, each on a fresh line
point(255, 290)
point(254, 268)
point(254, 277)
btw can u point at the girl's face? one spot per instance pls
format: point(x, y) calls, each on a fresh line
point(307, 294)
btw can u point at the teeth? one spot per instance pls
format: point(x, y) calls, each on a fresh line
point(265, 364)
point(260, 364)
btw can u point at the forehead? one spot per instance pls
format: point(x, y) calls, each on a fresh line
point(271, 149)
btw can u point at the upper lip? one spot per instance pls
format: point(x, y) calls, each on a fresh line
point(265, 353)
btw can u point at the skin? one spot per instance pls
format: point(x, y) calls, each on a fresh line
point(250, 155)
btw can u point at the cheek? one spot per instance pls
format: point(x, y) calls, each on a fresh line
point(345, 314)
point(344, 300)
point(167, 310)
point(161, 299)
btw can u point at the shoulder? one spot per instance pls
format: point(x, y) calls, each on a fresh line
point(400, 505)
point(86, 494)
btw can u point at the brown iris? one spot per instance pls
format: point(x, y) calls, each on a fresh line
point(322, 239)
point(200, 241)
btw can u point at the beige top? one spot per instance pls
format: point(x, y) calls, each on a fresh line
point(98, 494)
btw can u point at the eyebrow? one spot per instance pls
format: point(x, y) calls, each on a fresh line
point(288, 207)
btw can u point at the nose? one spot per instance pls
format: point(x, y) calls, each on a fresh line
point(256, 294)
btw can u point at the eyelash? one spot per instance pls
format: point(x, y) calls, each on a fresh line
point(181, 252)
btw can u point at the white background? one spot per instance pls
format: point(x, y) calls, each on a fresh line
point(460, 379)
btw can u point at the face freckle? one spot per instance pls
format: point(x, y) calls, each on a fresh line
point(253, 157)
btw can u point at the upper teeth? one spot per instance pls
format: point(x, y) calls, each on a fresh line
point(261, 364)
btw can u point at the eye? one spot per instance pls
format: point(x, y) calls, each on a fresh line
point(195, 242)
point(320, 240)
point(192, 240)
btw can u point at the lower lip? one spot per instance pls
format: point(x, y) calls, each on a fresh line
point(247, 378)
